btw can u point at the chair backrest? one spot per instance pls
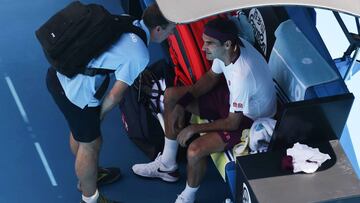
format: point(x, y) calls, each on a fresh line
point(295, 64)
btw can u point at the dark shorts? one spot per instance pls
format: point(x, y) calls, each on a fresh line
point(83, 123)
point(215, 105)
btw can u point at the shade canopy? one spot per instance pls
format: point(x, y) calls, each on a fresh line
point(185, 11)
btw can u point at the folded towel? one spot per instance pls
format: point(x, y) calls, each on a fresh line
point(305, 158)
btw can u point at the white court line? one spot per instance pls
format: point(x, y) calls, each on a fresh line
point(45, 163)
point(26, 120)
point(17, 100)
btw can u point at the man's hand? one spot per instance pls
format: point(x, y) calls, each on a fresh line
point(113, 97)
point(185, 135)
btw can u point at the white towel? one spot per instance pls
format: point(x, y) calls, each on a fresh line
point(260, 134)
point(305, 158)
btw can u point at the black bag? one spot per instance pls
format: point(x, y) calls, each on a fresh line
point(79, 33)
point(142, 126)
point(140, 106)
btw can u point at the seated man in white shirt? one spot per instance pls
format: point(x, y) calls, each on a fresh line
point(246, 94)
point(83, 110)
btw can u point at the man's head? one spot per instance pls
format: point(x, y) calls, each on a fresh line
point(160, 28)
point(220, 38)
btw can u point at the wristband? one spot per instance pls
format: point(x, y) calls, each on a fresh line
point(186, 99)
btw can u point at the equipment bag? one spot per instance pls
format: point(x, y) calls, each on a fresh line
point(140, 108)
point(185, 52)
point(79, 33)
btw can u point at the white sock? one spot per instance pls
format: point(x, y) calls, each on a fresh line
point(168, 157)
point(189, 192)
point(92, 199)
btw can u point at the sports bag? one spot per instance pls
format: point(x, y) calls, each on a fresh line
point(185, 52)
point(140, 109)
point(78, 33)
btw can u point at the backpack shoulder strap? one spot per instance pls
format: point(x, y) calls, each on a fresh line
point(124, 24)
point(96, 71)
point(121, 24)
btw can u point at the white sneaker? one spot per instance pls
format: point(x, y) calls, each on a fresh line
point(152, 170)
point(182, 199)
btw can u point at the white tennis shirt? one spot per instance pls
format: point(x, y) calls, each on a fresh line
point(252, 90)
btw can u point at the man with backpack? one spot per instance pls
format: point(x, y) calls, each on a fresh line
point(247, 93)
point(80, 95)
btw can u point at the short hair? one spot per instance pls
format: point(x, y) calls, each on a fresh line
point(153, 17)
point(227, 28)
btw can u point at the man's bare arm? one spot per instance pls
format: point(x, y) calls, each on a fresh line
point(113, 98)
point(230, 123)
point(202, 86)
point(205, 83)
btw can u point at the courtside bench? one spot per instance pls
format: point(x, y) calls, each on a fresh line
point(304, 81)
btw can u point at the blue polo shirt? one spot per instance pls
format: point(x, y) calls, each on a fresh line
point(128, 57)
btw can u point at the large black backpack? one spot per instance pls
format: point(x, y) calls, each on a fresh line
point(79, 33)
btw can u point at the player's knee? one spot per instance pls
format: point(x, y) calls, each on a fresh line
point(194, 153)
